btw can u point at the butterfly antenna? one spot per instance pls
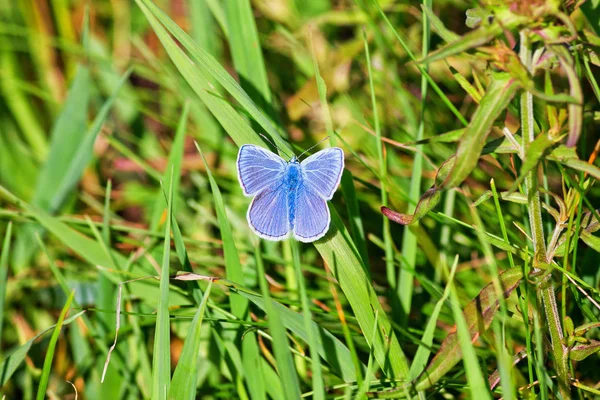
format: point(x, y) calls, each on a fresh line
point(274, 145)
point(312, 147)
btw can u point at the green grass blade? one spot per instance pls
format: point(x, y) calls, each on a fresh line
point(390, 268)
point(174, 165)
point(247, 53)
point(285, 362)
point(317, 376)
point(424, 351)
point(239, 305)
point(477, 383)
point(409, 249)
point(12, 361)
point(342, 257)
point(330, 348)
point(183, 384)
point(355, 219)
point(4, 272)
point(161, 361)
point(210, 67)
point(497, 97)
point(41, 393)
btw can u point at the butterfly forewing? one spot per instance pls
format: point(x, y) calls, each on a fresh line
point(258, 169)
point(311, 216)
point(323, 170)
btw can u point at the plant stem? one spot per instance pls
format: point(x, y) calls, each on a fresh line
point(545, 289)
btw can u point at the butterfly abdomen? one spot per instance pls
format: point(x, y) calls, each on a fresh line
point(292, 181)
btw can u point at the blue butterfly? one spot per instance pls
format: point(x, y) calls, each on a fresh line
point(289, 196)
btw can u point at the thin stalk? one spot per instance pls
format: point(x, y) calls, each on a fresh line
point(409, 241)
point(317, 378)
point(387, 236)
point(546, 289)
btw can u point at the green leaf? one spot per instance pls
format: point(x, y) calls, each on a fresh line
point(582, 351)
point(478, 315)
point(161, 360)
point(41, 393)
point(591, 10)
point(496, 99)
point(427, 201)
point(438, 25)
point(473, 39)
point(567, 156)
point(183, 384)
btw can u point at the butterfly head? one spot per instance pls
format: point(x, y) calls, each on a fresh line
point(294, 160)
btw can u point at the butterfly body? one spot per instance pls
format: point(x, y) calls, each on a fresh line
point(289, 197)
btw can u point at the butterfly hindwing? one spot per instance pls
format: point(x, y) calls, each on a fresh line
point(268, 214)
point(258, 169)
point(311, 215)
point(323, 170)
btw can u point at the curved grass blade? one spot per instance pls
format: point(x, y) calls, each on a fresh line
point(12, 361)
point(285, 363)
point(341, 256)
point(41, 393)
point(478, 316)
point(183, 384)
point(209, 66)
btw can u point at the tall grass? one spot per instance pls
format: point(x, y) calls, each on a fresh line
point(120, 123)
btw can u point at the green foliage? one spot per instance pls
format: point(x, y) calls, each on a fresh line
point(461, 260)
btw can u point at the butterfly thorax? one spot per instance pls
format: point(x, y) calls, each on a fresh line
point(292, 181)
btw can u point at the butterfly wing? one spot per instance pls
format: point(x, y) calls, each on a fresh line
point(258, 168)
point(268, 214)
point(311, 215)
point(322, 171)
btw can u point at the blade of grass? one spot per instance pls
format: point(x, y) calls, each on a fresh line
point(246, 53)
point(433, 84)
point(317, 377)
point(41, 393)
point(12, 361)
point(161, 360)
point(238, 304)
point(405, 282)
point(390, 268)
point(67, 159)
point(4, 272)
point(475, 379)
point(424, 350)
point(285, 362)
point(210, 67)
point(183, 384)
point(174, 164)
point(341, 256)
